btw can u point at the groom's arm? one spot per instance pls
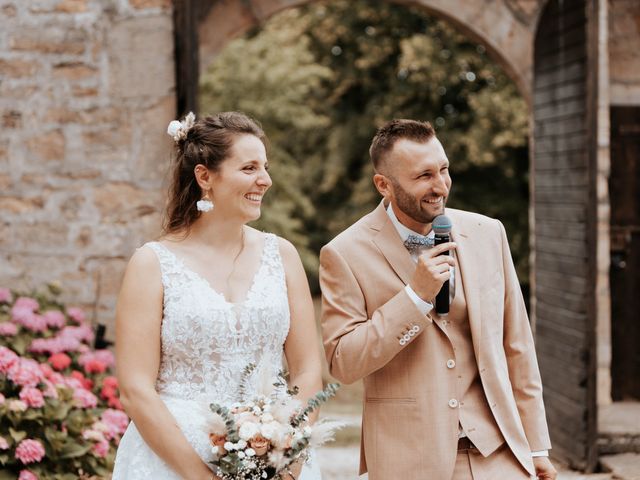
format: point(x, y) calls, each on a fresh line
point(521, 357)
point(356, 345)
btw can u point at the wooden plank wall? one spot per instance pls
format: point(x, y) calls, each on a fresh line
point(563, 252)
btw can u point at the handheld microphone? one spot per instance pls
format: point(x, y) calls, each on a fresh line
point(442, 228)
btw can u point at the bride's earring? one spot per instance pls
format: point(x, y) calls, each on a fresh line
point(204, 204)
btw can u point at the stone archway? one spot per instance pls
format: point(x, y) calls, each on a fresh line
point(505, 27)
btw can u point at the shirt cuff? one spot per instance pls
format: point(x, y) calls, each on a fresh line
point(540, 453)
point(424, 307)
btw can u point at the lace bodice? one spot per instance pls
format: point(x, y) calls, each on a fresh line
point(206, 340)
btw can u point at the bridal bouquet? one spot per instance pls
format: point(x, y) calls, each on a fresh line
point(260, 437)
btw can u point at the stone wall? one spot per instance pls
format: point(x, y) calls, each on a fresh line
point(86, 91)
point(624, 51)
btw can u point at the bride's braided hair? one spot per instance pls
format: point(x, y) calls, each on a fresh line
point(207, 142)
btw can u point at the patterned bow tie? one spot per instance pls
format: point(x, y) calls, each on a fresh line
point(415, 243)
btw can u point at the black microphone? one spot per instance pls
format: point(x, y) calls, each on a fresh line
point(442, 228)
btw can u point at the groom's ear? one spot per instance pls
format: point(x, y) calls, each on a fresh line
point(382, 184)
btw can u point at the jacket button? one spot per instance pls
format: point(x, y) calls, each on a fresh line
point(451, 363)
point(403, 341)
point(453, 403)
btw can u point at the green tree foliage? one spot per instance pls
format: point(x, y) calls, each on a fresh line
point(323, 77)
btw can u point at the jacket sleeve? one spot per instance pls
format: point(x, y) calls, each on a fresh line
point(521, 357)
point(356, 345)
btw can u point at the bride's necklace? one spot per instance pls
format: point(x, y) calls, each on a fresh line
point(233, 265)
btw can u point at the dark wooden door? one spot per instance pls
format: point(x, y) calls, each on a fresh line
point(624, 190)
point(564, 228)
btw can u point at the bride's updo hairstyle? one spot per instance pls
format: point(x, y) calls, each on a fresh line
point(205, 141)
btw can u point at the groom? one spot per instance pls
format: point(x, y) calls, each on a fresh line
point(446, 397)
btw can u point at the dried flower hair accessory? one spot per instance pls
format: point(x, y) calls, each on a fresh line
point(178, 129)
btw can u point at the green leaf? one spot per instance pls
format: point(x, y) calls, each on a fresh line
point(17, 435)
point(72, 449)
point(7, 475)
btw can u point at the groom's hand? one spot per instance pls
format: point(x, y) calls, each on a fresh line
point(432, 271)
point(544, 468)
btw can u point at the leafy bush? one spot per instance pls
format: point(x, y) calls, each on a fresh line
point(60, 416)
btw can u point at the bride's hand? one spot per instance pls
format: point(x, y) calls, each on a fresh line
point(293, 472)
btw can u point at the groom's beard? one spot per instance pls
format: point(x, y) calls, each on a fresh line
point(412, 207)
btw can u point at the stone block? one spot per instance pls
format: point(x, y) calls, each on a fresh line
point(73, 70)
point(8, 10)
point(41, 237)
point(12, 119)
point(625, 466)
point(141, 4)
point(124, 202)
point(81, 91)
point(153, 147)
point(49, 40)
point(17, 68)
point(19, 205)
point(72, 6)
point(141, 63)
point(48, 146)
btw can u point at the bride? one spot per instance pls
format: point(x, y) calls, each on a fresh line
point(212, 296)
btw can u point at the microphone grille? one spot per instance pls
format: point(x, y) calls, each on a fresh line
point(441, 225)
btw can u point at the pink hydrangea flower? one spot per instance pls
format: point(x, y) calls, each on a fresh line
point(7, 359)
point(29, 319)
point(27, 475)
point(116, 422)
point(8, 329)
point(32, 397)
point(101, 449)
point(25, 372)
point(93, 434)
point(4, 445)
point(55, 318)
point(27, 302)
point(85, 398)
point(30, 451)
point(50, 390)
point(82, 332)
point(76, 314)
point(5, 295)
point(54, 345)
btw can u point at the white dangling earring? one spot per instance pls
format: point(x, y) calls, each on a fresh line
point(205, 204)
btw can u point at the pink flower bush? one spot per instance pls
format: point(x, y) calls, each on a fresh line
point(29, 451)
point(58, 392)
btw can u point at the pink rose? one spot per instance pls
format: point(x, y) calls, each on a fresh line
point(29, 451)
point(7, 359)
point(8, 329)
point(32, 397)
point(4, 445)
point(27, 475)
point(95, 366)
point(5, 295)
point(55, 318)
point(60, 361)
point(76, 314)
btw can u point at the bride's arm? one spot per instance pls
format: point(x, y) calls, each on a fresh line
point(138, 321)
point(302, 347)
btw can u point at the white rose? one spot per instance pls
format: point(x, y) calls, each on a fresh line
point(241, 455)
point(174, 127)
point(267, 418)
point(250, 452)
point(241, 444)
point(229, 447)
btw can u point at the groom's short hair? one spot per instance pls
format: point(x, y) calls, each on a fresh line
point(394, 130)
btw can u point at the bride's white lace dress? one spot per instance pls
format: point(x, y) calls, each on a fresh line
point(206, 344)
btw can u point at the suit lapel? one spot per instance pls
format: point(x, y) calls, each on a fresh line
point(465, 253)
point(388, 241)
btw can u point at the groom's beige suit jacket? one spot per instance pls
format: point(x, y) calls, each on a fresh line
point(409, 431)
